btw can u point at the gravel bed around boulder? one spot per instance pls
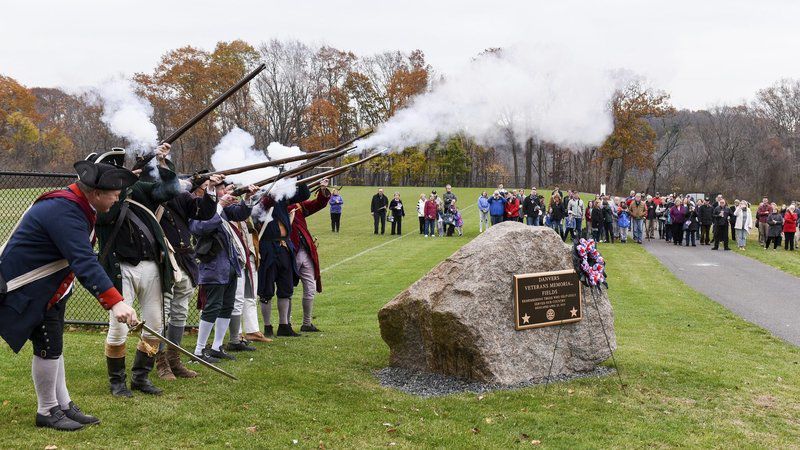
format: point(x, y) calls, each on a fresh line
point(426, 384)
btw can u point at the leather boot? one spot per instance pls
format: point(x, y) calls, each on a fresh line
point(178, 369)
point(116, 377)
point(142, 365)
point(163, 368)
point(286, 330)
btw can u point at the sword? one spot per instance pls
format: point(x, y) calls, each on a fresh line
point(142, 326)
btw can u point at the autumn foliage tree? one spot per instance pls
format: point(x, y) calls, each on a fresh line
point(632, 142)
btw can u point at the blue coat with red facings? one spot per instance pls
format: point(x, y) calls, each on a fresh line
point(270, 240)
point(53, 229)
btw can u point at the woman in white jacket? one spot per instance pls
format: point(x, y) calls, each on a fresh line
point(744, 222)
point(421, 212)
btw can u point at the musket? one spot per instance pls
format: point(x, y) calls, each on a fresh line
point(350, 141)
point(299, 170)
point(143, 326)
point(141, 163)
point(277, 162)
point(314, 179)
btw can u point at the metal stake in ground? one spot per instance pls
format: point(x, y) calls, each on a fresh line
point(549, 372)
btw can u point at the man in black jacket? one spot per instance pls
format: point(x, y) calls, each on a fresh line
point(378, 209)
point(194, 204)
point(705, 214)
point(531, 207)
point(721, 217)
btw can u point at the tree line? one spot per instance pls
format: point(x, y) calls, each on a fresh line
point(318, 96)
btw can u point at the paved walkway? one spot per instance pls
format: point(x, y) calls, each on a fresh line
point(759, 293)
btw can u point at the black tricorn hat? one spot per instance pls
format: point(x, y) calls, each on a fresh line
point(199, 177)
point(106, 177)
point(116, 157)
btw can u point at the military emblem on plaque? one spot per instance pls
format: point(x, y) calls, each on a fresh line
point(547, 298)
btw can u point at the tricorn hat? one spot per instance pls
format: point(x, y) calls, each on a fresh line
point(200, 177)
point(116, 157)
point(103, 176)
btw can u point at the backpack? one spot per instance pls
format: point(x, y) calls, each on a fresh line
point(624, 221)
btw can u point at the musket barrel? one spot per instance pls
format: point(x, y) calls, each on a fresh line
point(303, 168)
point(314, 179)
point(273, 163)
point(218, 101)
point(276, 162)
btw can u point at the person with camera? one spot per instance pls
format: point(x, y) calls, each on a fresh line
point(497, 207)
point(721, 219)
point(397, 214)
point(743, 224)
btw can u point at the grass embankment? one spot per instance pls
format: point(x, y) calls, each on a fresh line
point(696, 375)
point(786, 261)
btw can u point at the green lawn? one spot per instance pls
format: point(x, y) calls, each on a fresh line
point(781, 259)
point(696, 375)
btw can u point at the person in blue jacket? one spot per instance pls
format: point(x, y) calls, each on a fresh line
point(33, 308)
point(497, 207)
point(483, 210)
point(220, 270)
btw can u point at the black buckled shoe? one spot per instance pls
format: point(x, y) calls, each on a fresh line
point(241, 346)
point(310, 328)
point(287, 331)
point(220, 354)
point(116, 377)
point(57, 420)
point(142, 366)
point(268, 331)
point(75, 413)
point(206, 357)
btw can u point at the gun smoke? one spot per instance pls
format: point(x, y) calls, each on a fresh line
point(515, 93)
point(126, 114)
point(237, 149)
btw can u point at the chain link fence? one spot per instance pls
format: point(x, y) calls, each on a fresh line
point(18, 190)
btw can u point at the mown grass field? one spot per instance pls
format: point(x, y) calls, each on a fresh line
point(696, 375)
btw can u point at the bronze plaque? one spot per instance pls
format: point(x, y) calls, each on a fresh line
point(546, 298)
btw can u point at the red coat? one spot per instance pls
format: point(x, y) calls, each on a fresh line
point(299, 226)
point(512, 207)
point(431, 209)
point(789, 222)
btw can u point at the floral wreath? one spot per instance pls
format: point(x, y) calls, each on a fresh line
point(589, 264)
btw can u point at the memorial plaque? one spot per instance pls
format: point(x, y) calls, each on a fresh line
point(546, 298)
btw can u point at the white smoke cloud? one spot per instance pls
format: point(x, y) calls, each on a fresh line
point(236, 149)
point(281, 189)
point(126, 114)
point(541, 92)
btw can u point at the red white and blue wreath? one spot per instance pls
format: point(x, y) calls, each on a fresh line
point(589, 264)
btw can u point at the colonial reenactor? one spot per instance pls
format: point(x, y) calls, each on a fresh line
point(136, 255)
point(277, 272)
point(194, 204)
point(244, 319)
point(307, 259)
point(39, 264)
point(220, 270)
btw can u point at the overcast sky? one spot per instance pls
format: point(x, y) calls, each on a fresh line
point(702, 52)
